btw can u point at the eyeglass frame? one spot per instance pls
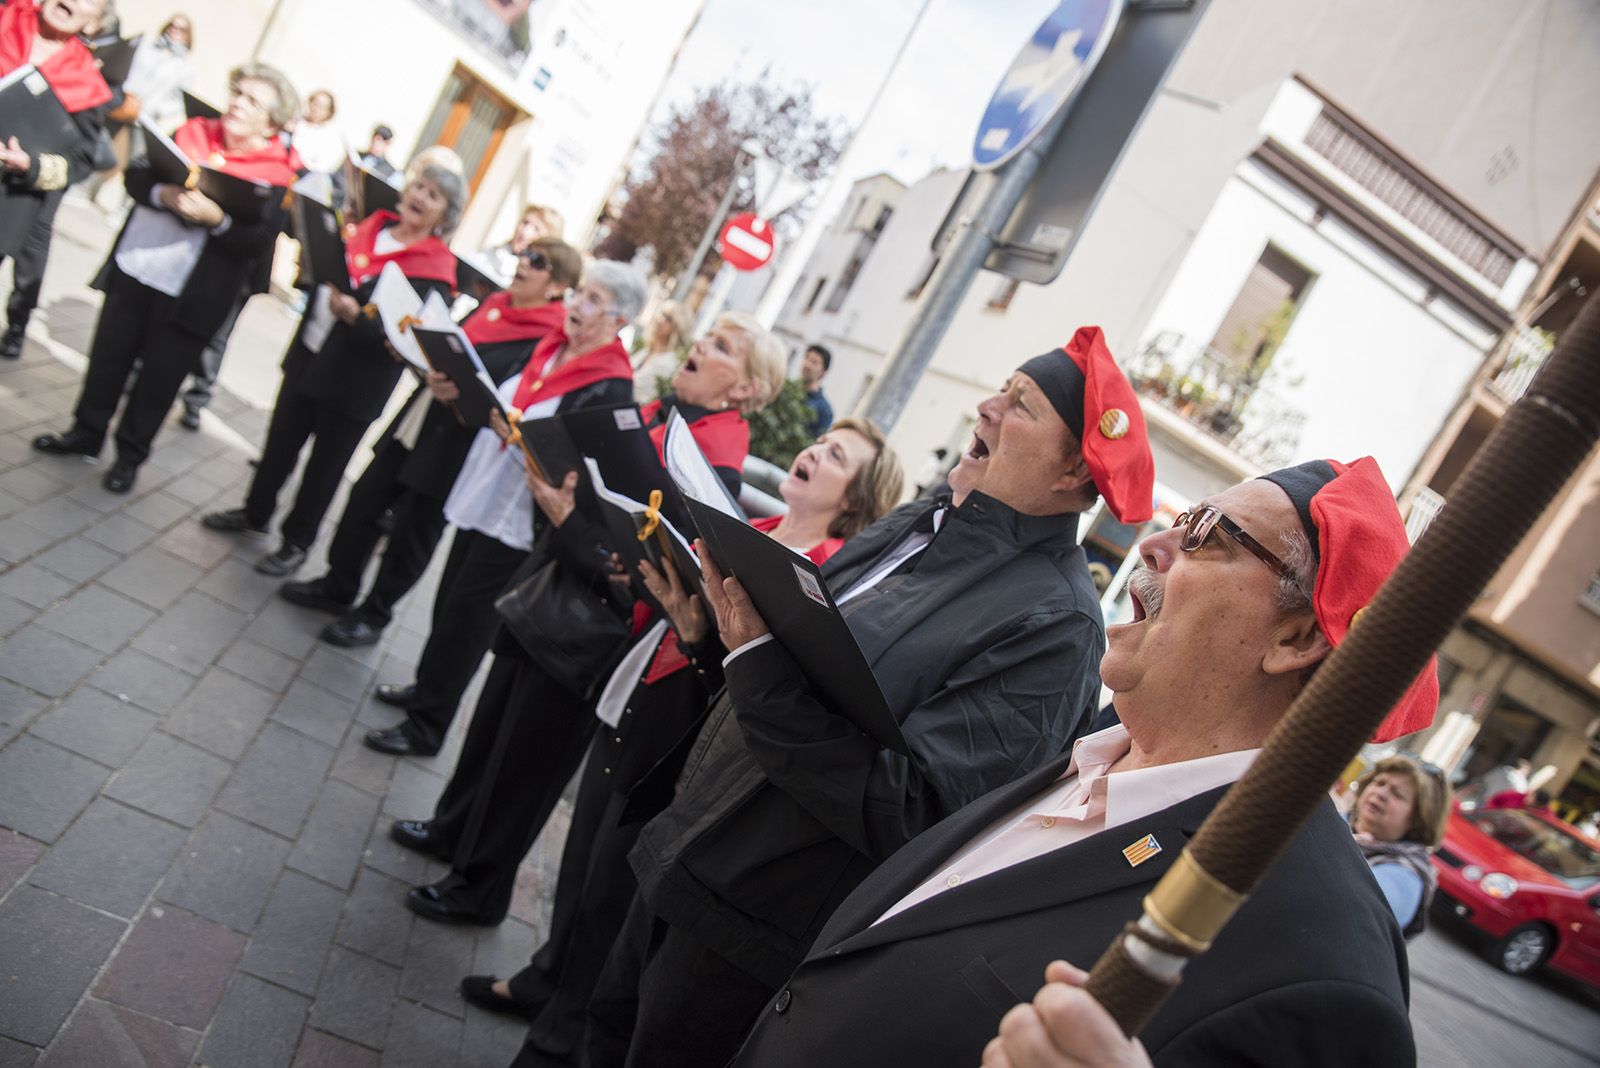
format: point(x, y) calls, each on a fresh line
point(1189, 520)
point(536, 260)
point(570, 297)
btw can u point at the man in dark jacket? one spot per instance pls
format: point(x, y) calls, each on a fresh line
point(1235, 606)
point(979, 620)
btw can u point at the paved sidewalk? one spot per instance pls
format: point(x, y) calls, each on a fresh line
point(194, 867)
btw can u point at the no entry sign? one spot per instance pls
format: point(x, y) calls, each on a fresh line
point(746, 242)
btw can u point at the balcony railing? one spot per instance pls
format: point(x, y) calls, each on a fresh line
point(1219, 396)
point(1527, 353)
point(1425, 507)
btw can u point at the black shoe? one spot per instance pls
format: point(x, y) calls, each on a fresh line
point(190, 419)
point(11, 342)
point(425, 902)
point(232, 521)
point(395, 742)
point(479, 989)
point(74, 442)
point(392, 693)
point(286, 561)
point(120, 478)
point(417, 835)
point(350, 632)
point(313, 594)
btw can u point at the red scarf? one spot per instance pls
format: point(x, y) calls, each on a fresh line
point(202, 141)
point(723, 436)
point(607, 361)
point(495, 320)
point(669, 659)
point(72, 73)
point(429, 259)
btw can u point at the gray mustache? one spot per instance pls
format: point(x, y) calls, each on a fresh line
point(1144, 584)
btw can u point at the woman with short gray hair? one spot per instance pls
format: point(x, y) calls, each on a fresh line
point(175, 272)
point(339, 372)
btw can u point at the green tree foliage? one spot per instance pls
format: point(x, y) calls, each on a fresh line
point(780, 430)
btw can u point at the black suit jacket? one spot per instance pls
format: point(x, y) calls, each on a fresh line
point(227, 262)
point(1312, 970)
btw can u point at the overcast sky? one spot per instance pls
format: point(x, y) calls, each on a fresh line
point(843, 49)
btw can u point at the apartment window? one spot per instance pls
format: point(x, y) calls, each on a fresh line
point(883, 220)
point(815, 294)
point(1003, 294)
point(922, 279)
point(1259, 319)
point(847, 278)
point(470, 119)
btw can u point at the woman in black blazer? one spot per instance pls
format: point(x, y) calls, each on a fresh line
point(338, 373)
point(174, 271)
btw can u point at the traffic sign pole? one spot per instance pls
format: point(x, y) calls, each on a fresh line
point(973, 240)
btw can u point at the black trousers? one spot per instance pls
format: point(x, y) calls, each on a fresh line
point(297, 418)
point(414, 534)
point(464, 624)
point(27, 269)
point(665, 999)
point(203, 382)
point(526, 740)
point(134, 329)
point(593, 892)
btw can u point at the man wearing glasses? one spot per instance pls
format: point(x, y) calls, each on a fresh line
point(984, 631)
point(1234, 608)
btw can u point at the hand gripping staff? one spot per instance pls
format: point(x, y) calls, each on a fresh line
point(1514, 476)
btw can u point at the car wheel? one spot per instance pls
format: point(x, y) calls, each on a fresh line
point(1523, 949)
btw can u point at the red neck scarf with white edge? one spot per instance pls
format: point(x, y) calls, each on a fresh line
point(608, 361)
point(428, 260)
point(495, 320)
point(202, 141)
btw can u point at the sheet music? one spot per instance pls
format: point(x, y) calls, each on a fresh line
point(396, 300)
point(692, 472)
point(628, 504)
point(315, 186)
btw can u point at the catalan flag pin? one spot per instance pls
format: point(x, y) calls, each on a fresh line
point(1142, 850)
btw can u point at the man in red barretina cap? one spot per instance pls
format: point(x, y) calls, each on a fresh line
point(977, 615)
point(1234, 607)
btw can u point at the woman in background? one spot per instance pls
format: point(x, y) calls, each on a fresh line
point(1398, 820)
point(660, 350)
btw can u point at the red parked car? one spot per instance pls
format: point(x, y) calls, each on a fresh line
point(1529, 881)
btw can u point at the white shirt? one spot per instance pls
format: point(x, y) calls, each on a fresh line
point(159, 249)
point(614, 698)
point(1088, 798)
point(903, 552)
point(491, 494)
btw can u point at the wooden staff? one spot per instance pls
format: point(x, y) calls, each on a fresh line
point(1510, 482)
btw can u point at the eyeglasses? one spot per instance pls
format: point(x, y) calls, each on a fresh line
point(588, 302)
point(1197, 527)
point(536, 260)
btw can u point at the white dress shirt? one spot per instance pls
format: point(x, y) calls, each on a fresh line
point(1088, 798)
point(161, 250)
point(491, 493)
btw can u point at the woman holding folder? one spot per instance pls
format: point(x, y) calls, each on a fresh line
point(338, 373)
point(529, 732)
point(174, 270)
point(582, 365)
point(416, 461)
point(657, 698)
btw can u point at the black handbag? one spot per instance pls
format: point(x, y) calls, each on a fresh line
point(570, 631)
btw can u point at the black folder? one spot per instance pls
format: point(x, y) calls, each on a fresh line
point(788, 590)
point(322, 255)
point(245, 200)
point(450, 354)
point(366, 191)
point(617, 440)
point(115, 56)
point(473, 281)
point(195, 108)
point(31, 112)
point(626, 519)
point(552, 448)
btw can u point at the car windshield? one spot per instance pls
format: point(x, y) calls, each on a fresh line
point(1565, 856)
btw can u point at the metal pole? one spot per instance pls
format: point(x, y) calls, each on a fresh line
point(686, 279)
point(974, 238)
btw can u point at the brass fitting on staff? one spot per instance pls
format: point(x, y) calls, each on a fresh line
point(1191, 906)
